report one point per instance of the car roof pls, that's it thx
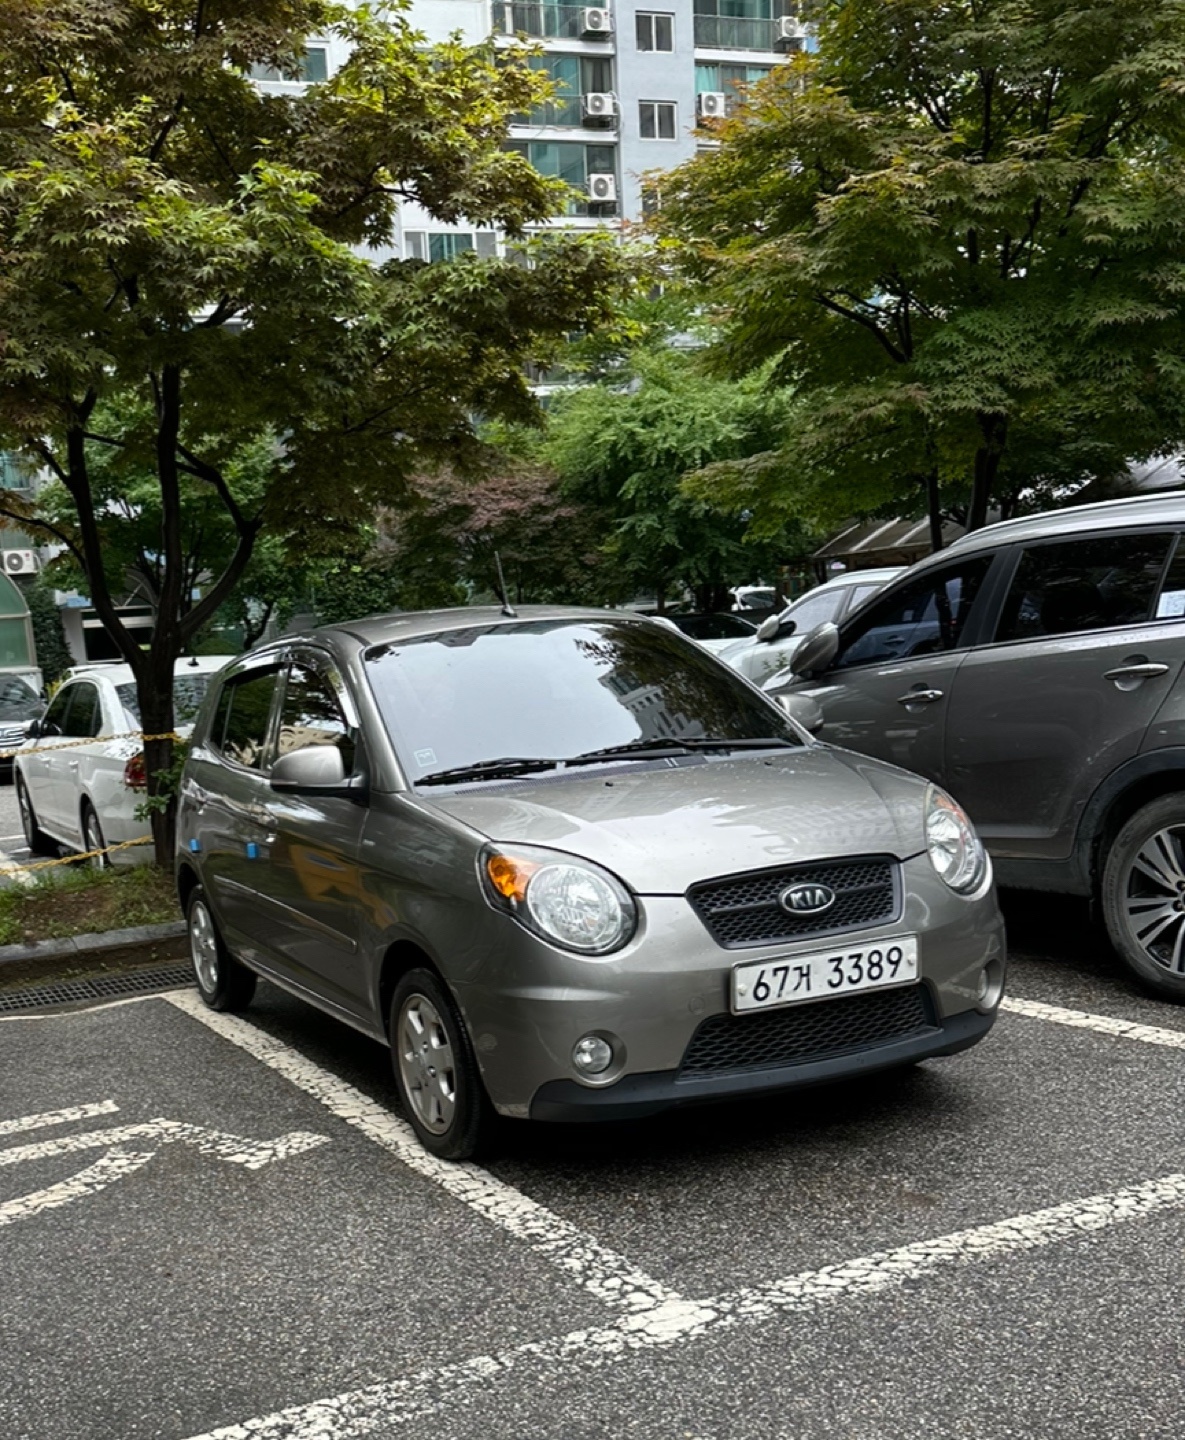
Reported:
(1102, 515)
(883, 573)
(115, 672)
(405, 625)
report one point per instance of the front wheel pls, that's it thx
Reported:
(222, 982)
(36, 839)
(1143, 896)
(439, 1086)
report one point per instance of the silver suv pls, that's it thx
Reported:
(1034, 669)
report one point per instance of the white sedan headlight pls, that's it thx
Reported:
(564, 899)
(956, 851)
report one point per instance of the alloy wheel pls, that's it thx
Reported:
(426, 1064)
(1154, 898)
(203, 947)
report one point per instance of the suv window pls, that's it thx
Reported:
(240, 721)
(85, 715)
(812, 610)
(923, 617)
(1083, 585)
(312, 715)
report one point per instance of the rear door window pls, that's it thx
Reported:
(240, 728)
(924, 617)
(85, 716)
(1090, 584)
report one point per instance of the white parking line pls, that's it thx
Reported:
(251, 1154)
(13, 870)
(1101, 1024)
(363, 1412)
(609, 1276)
(117, 1164)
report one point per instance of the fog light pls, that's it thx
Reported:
(990, 989)
(592, 1055)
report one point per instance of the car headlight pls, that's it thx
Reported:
(566, 900)
(956, 851)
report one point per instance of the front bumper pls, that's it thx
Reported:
(526, 1004)
(636, 1096)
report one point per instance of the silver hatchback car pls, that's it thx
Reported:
(571, 867)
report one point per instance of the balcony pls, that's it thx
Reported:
(540, 20)
(720, 32)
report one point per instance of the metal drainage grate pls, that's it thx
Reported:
(725, 1043)
(96, 987)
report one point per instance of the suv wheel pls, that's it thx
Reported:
(222, 982)
(439, 1086)
(1143, 896)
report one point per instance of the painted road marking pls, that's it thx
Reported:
(119, 1162)
(57, 1117)
(1100, 1024)
(609, 1276)
(363, 1412)
(13, 870)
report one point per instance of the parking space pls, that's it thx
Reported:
(219, 1226)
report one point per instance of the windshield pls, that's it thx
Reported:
(18, 699)
(188, 693)
(557, 689)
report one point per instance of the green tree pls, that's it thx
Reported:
(624, 447)
(53, 654)
(956, 231)
(177, 241)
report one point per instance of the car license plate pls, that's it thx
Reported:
(840, 970)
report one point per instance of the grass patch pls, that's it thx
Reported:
(83, 902)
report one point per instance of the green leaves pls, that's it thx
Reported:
(946, 228)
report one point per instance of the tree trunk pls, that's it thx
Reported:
(994, 429)
(933, 511)
(155, 692)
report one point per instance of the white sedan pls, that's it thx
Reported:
(80, 776)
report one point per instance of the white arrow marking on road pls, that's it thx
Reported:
(57, 1117)
(233, 1148)
(115, 1165)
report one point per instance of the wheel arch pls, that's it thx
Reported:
(400, 957)
(1146, 778)
(187, 882)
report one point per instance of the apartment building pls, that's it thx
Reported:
(633, 80)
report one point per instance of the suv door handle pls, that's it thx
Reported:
(921, 696)
(1142, 671)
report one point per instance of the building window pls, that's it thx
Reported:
(655, 31)
(313, 67)
(448, 244)
(729, 80)
(572, 76)
(572, 163)
(656, 119)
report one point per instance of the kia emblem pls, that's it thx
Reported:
(807, 899)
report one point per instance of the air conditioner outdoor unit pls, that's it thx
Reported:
(602, 189)
(790, 33)
(598, 105)
(711, 104)
(20, 562)
(596, 22)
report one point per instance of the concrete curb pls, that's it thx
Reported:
(137, 945)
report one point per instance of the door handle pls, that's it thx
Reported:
(1144, 670)
(920, 696)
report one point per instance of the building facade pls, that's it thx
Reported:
(634, 79)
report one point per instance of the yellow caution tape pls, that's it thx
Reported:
(90, 740)
(74, 856)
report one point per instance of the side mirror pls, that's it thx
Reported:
(316, 768)
(803, 709)
(32, 729)
(768, 628)
(817, 650)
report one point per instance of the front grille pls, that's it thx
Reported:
(731, 1043)
(742, 910)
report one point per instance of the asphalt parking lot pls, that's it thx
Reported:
(220, 1227)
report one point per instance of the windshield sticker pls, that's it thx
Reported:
(425, 757)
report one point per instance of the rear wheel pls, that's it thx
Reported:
(92, 838)
(439, 1085)
(36, 839)
(1143, 896)
(222, 982)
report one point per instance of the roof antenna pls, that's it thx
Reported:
(507, 607)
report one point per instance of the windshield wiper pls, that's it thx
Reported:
(508, 766)
(657, 749)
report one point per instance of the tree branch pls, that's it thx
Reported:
(868, 324)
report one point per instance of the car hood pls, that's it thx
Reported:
(660, 830)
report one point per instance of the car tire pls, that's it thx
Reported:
(440, 1088)
(36, 839)
(222, 982)
(1143, 896)
(92, 838)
